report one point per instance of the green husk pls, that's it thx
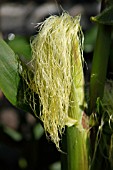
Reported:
(57, 71)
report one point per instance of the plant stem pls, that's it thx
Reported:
(76, 149)
(99, 65)
(99, 148)
(76, 138)
(97, 82)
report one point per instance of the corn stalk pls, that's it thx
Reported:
(100, 136)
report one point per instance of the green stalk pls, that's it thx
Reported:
(76, 135)
(76, 140)
(99, 65)
(97, 83)
(76, 149)
(100, 140)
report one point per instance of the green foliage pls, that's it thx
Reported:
(9, 75)
(11, 82)
(105, 17)
(21, 46)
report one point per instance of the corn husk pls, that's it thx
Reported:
(57, 58)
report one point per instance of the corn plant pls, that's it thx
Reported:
(50, 85)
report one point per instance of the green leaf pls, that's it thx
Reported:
(105, 17)
(9, 76)
(11, 83)
(21, 46)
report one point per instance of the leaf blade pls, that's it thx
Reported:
(105, 17)
(9, 75)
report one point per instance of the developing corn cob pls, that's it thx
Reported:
(57, 73)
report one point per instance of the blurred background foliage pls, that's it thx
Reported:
(23, 144)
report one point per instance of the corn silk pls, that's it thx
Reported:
(57, 67)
